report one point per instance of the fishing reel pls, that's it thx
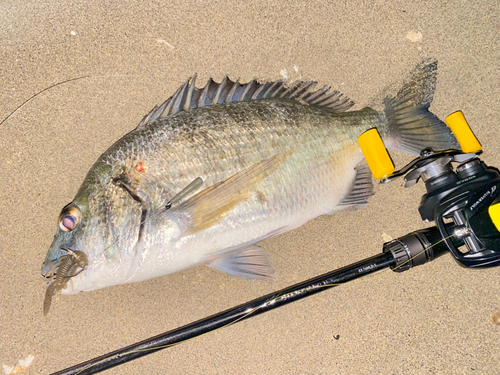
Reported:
(463, 201)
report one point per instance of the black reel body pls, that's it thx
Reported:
(459, 202)
(468, 208)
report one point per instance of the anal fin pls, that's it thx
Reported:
(251, 263)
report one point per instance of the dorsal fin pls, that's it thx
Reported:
(189, 97)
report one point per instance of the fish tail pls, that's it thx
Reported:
(411, 126)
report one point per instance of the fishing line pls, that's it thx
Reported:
(263, 305)
(67, 81)
(39, 92)
(62, 83)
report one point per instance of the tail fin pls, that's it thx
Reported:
(412, 127)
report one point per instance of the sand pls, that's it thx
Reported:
(434, 319)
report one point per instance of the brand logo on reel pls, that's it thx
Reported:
(489, 192)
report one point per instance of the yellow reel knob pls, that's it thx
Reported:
(376, 155)
(494, 211)
(467, 140)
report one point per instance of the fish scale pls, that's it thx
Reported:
(271, 157)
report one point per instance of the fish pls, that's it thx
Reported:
(213, 171)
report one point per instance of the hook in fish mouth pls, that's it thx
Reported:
(61, 271)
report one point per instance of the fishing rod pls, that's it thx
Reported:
(464, 203)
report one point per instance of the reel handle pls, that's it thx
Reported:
(462, 131)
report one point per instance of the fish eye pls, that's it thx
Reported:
(69, 218)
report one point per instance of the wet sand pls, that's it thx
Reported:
(433, 319)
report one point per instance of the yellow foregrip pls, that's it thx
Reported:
(376, 155)
(494, 211)
(458, 125)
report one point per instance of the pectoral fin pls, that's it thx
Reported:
(251, 263)
(361, 190)
(212, 204)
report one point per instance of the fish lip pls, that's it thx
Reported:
(49, 268)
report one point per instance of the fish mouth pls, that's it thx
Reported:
(59, 272)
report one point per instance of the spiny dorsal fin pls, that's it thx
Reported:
(188, 96)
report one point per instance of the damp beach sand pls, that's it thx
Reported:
(434, 319)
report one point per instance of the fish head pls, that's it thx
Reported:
(102, 222)
(66, 240)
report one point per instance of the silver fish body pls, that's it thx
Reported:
(268, 165)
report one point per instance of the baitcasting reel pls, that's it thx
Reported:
(463, 202)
